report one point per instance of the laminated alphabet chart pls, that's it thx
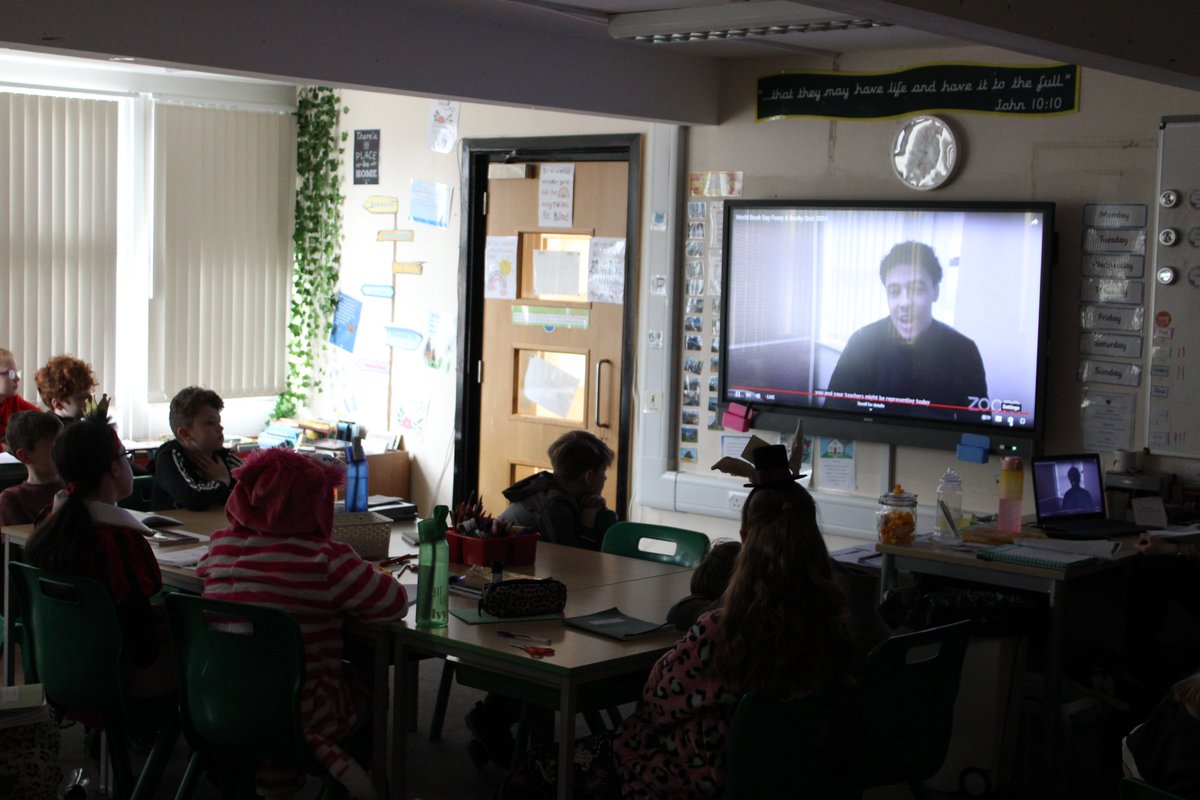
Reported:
(1172, 425)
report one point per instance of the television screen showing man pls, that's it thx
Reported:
(908, 357)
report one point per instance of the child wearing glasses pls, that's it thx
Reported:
(88, 534)
(10, 381)
(65, 384)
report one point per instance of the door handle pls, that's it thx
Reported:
(599, 367)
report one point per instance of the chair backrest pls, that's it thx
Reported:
(907, 691)
(139, 498)
(74, 638)
(1133, 789)
(241, 670)
(682, 548)
(775, 749)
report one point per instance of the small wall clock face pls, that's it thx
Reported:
(925, 153)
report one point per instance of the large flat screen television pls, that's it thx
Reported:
(906, 322)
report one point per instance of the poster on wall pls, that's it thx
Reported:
(440, 334)
(366, 157)
(606, 270)
(499, 268)
(556, 195)
(986, 88)
(429, 203)
(345, 322)
(443, 125)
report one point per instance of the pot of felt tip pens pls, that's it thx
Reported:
(478, 538)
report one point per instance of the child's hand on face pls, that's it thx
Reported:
(589, 507)
(209, 465)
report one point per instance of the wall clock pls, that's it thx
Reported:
(925, 153)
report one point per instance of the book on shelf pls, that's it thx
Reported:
(616, 624)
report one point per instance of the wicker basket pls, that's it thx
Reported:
(367, 532)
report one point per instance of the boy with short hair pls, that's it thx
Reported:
(193, 470)
(31, 437)
(10, 381)
(65, 383)
(565, 506)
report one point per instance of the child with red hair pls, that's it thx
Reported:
(278, 552)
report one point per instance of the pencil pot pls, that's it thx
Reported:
(522, 548)
(481, 550)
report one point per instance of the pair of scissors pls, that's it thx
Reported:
(534, 651)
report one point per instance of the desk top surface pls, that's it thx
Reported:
(595, 582)
(964, 555)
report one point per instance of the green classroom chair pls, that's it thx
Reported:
(139, 498)
(241, 670)
(74, 642)
(906, 711)
(1133, 789)
(774, 749)
(684, 548)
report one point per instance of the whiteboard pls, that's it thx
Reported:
(1173, 360)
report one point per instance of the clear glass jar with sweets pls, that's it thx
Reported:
(896, 519)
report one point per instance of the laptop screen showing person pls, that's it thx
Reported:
(1068, 487)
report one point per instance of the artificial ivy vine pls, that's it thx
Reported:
(317, 241)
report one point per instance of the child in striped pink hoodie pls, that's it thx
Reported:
(278, 553)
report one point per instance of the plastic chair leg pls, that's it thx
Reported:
(156, 762)
(188, 784)
(443, 697)
(118, 757)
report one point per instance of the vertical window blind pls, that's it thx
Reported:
(224, 183)
(58, 231)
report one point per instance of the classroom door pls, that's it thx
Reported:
(553, 316)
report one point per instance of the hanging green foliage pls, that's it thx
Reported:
(317, 241)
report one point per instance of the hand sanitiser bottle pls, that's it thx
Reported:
(433, 571)
(949, 496)
(1012, 488)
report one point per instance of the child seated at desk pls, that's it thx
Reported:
(278, 552)
(674, 744)
(31, 437)
(1163, 750)
(88, 534)
(194, 470)
(65, 384)
(565, 507)
(10, 381)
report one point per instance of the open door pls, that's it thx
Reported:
(546, 343)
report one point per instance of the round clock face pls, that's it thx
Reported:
(925, 153)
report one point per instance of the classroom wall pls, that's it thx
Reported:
(421, 403)
(1106, 153)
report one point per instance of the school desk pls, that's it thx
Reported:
(960, 563)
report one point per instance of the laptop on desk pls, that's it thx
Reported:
(1068, 494)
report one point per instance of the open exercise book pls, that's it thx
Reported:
(1051, 553)
(616, 625)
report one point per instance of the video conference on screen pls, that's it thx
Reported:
(821, 315)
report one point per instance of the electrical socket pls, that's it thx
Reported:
(737, 500)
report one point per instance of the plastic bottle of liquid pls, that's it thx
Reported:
(433, 571)
(1012, 487)
(949, 493)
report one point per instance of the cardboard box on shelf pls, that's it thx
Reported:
(389, 473)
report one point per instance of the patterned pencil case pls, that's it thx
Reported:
(523, 598)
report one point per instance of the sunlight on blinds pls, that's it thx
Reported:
(224, 185)
(58, 238)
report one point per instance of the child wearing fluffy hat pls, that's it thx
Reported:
(278, 552)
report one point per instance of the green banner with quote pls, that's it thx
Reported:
(982, 88)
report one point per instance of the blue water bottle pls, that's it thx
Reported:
(356, 477)
(433, 571)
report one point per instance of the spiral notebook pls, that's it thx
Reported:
(1050, 555)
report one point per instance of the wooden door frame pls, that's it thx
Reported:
(477, 154)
